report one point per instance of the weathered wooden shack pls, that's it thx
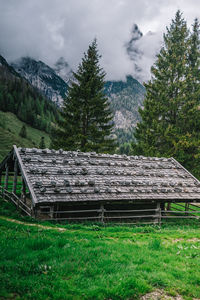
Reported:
(72, 185)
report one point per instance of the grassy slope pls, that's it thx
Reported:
(10, 127)
(96, 262)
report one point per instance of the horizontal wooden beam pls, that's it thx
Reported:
(180, 217)
(181, 211)
(25, 177)
(131, 217)
(99, 210)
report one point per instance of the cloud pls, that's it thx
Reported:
(146, 49)
(49, 29)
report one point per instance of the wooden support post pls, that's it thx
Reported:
(158, 213)
(169, 206)
(57, 209)
(102, 213)
(0, 177)
(34, 212)
(38, 212)
(186, 208)
(15, 177)
(1, 189)
(6, 177)
(23, 191)
(51, 211)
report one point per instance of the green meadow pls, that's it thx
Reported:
(10, 127)
(92, 261)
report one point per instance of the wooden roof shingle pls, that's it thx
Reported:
(56, 176)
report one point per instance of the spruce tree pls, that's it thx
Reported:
(86, 117)
(23, 132)
(170, 123)
(42, 143)
(189, 143)
(190, 109)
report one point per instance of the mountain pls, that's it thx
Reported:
(43, 77)
(63, 69)
(125, 98)
(6, 70)
(18, 96)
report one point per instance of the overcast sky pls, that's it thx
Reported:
(49, 29)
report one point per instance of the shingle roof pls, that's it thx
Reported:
(77, 176)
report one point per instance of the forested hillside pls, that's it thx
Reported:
(19, 97)
(43, 77)
(125, 96)
(10, 128)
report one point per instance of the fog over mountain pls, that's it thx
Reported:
(47, 30)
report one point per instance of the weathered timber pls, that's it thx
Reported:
(158, 213)
(51, 212)
(182, 211)
(131, 217)
(180, 217)
(76, 211)
(81, 186)
(105, 211)
(192, 205)
(6, 176)
(13, 198)
(23, 171)
(23, 190)
(180, 166)
(186, 207)
(15, 176)
(76, 218)
(129, 211)
(102, 213)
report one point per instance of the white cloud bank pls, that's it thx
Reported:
(49, 29)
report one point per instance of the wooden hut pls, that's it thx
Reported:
(72, 185)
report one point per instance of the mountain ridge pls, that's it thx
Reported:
(18, 96)
(43, 77)
(125, 97)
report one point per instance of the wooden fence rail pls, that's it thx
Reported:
(101, 214)
(181, 211)
(10, 196)
(104, 215)
(99, 210)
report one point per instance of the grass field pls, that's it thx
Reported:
(90, 261)
(10, 127)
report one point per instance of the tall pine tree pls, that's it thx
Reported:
(86, 117)
(23, 132)
(170, 123)
(188, 146)
(42, 143)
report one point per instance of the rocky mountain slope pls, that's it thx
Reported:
(125, 96)
(18, 96)
(6, 70)
(42, 77)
